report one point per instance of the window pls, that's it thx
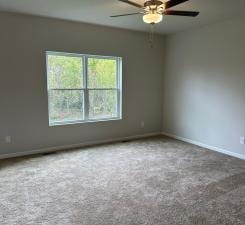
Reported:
(83, 88)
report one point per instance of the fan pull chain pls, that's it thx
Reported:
(151, 35)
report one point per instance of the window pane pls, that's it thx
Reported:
(102, 73)
(65, 105)
(102, 104)
(65, 72)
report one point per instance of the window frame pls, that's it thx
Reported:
(86, 89)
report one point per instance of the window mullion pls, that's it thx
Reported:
(119, 89)
(86, 97)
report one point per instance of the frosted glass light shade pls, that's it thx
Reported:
(152, 18)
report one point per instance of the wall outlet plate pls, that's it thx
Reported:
(8, 139)
(242, 140)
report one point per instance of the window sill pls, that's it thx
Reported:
(66, 123)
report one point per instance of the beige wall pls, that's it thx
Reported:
(23, 95)
(204, 85)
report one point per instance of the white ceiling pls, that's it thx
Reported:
(98, 12)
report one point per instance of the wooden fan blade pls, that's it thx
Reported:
(132, 3)
(129, 14)
(180, 13)
(173, 3)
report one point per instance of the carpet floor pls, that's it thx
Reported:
(155, 181)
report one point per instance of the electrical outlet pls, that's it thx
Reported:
(142, 124)
(242, 140)
(8, 139)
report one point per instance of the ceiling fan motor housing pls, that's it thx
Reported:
(152, 3)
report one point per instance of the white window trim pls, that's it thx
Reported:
(86, 89)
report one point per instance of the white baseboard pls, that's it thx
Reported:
(220, 150)
(113, 140)
(79, 145)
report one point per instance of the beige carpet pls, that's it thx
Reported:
(156, 181)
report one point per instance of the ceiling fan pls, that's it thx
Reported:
(153, 10)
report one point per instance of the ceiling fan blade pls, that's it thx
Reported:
(172, 3)
(180, 13)
(129, 14)
(132, 3)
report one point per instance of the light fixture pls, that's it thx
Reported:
(152, 18)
